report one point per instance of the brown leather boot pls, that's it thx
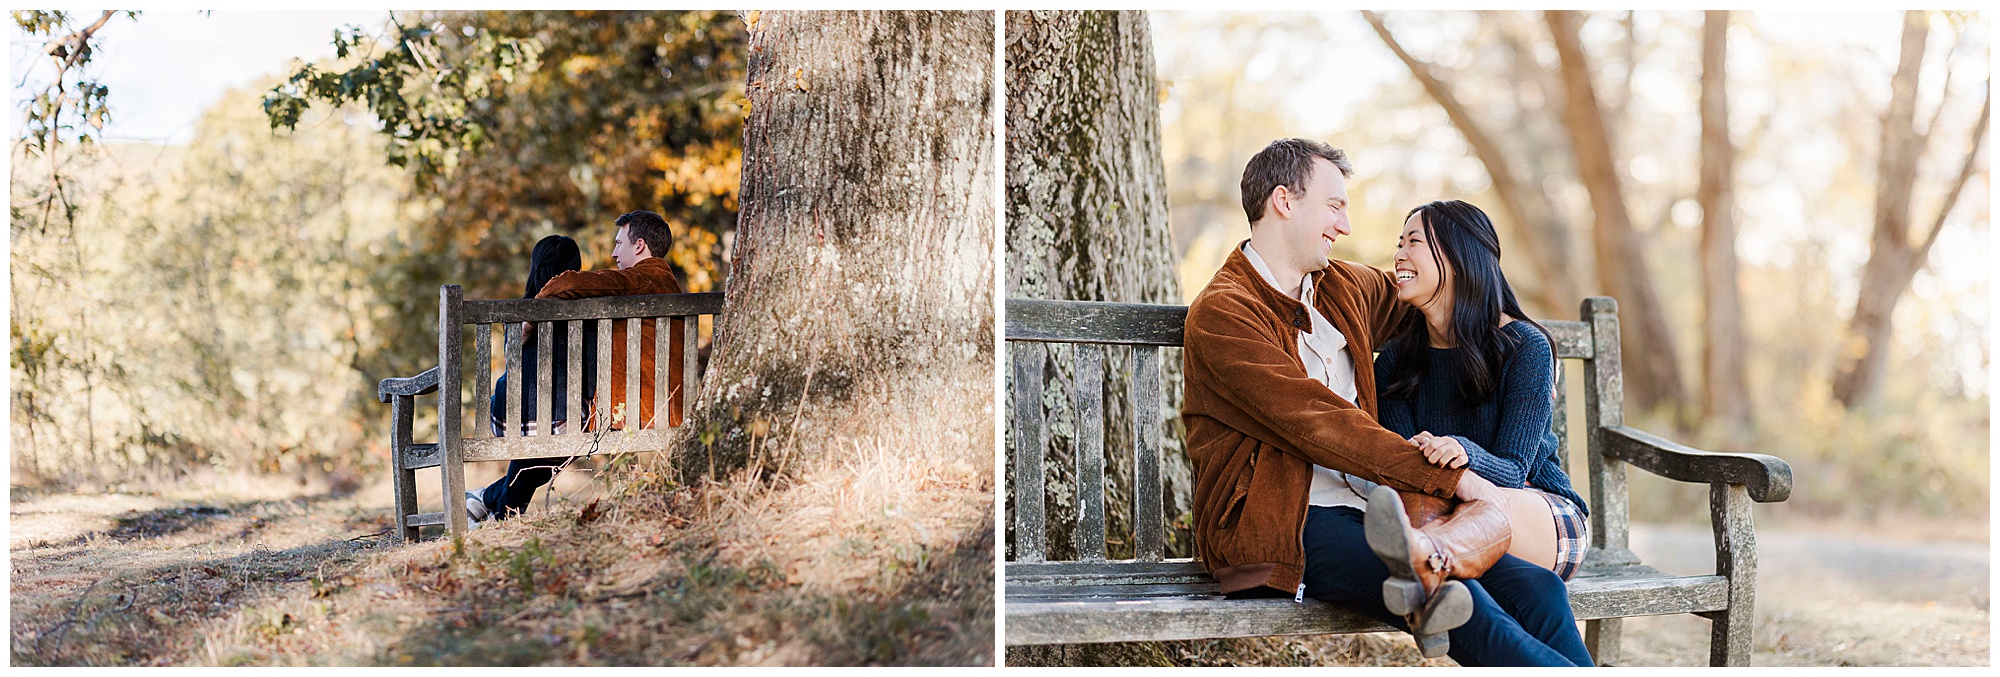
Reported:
(1423, 508)
(1425, 541)
(1461, 543)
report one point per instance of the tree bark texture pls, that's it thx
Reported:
(1087, 220)
(862, 270)
(1652, 371)
(1893, 259)
(1526, 209)
(1725, 393)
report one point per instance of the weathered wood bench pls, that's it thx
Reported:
(1151, 598)
(454, 449)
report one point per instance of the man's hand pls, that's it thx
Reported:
(1472, 487)
(1443, 452)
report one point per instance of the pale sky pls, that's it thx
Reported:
(168, 66)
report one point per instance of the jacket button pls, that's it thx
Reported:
(1299, 323)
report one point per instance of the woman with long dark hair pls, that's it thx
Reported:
(553, 255)
(1471, 379)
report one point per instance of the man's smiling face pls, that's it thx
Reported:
(1317, 216)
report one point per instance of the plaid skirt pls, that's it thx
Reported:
(1572, 534)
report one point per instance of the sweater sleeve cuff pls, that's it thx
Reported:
(1500, 471)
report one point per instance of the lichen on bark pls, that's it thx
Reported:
(862, 269)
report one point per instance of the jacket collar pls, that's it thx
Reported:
(1241, 272)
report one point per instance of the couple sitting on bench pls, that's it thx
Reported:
(555, 272)
(1425, 491)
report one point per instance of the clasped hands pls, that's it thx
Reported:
(1446, 452)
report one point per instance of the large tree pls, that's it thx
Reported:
(861, 281)
(1087, 221)
(1894, 257)
(1652, 368)
(1725, 395)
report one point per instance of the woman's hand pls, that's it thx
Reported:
(1443, 452)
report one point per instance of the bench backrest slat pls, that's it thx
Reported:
(603, 373)
(544, 381)
(632, 401)
(512, 423)
(1032, 324)
(573, 399)
(663, 364)
(690, 368)
(1148, 522)
(1089, 534)
(1113, 323)
(1030, 528)
(612, 307)
(482, 379)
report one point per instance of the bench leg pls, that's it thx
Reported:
(1736, 558)
(405, 480)
(453, 471)
(1601, 638)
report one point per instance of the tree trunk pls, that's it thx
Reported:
(860, 300)
(1652, 371)
(1725, 394)
(1526, 209)
(1893, 259)
(1087, 220)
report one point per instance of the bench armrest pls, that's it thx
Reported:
(1768, 478)
(421, 384)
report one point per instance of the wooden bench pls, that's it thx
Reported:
(454, 448)
(1151, 598)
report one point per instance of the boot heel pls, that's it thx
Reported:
(1446, 610)
(1402, 596)
(1435, 645)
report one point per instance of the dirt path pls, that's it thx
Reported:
(1832, 598)
(81, 564)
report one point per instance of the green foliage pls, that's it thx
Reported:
(602, 113)
(428, 87)
(619, 111)
(60, 116)
(71, 101)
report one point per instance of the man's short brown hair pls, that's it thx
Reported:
(1288, 163)
(649, 228)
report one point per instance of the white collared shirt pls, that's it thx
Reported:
(1323, 352)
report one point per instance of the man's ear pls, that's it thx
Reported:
(1280, 203)
(640, 249)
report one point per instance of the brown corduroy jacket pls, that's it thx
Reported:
(1256, 423)
(648, 276)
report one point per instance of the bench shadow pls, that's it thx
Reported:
(152, 616)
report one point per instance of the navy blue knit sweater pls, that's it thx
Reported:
(1506, 438)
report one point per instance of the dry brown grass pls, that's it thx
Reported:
(876, 552)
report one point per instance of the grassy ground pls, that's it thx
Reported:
(882, 557)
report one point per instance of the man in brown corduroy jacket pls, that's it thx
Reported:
(1281, 428)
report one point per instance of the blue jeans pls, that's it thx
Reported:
(513, 493)
(1520, 613)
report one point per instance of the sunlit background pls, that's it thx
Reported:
(1807, 91)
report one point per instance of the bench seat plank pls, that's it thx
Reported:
(1157, 612)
